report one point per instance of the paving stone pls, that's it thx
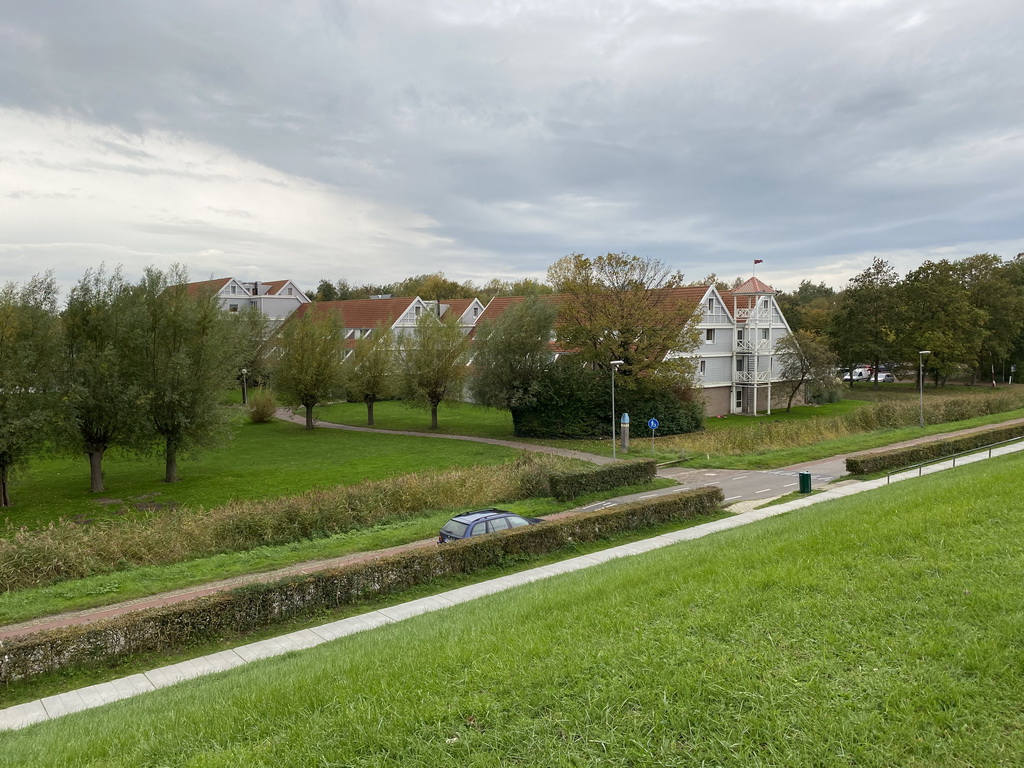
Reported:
(416, 607)
(23, 714)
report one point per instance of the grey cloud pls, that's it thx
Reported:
(712, 131)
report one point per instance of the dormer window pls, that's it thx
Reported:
(711, 305)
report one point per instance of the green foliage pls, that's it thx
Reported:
(370, 372)
(806, 361)
(575, 402)
(187, 358)
(621, 307)
(103, 378)
(433, 363)
(917, 454)
(572, 485)
(511, 354)
(865, 326)
(262, 406)
(68, 550)
(261, 605)
(809, 308)
(29, 363)
(308, 364)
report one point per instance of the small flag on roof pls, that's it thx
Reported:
(759, 261)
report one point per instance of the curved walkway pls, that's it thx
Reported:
(286, 414)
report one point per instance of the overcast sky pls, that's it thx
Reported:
(373, 140)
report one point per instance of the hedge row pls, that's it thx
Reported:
(570, 485)
(175, 627)
(917, 454)
(68, 550)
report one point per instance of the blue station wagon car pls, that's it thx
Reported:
(482, 521)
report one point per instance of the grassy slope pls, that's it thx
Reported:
(262, 460)
(875, 631)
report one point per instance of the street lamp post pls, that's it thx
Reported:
(615, 365)
(245, 389)
(920, 376)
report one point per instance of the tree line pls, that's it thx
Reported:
(968, 314)
(139, 366)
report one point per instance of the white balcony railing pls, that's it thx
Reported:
(750, 377)
(756, 314)
(750, 347)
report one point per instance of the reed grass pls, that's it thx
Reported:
(67, 550)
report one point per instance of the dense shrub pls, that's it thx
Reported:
(916, 454)
(67, 550)
(574, 402)
(262, 605)
(570, 485)
(262, 406)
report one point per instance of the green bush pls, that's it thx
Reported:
(262, 406)
(66, 550)
(574, 402)
(262, 605)
(570, 485)
(883, 461)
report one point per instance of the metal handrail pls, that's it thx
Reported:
(953, 456)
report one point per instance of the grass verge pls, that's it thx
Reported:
(875, 631)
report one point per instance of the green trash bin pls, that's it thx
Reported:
(805, 482)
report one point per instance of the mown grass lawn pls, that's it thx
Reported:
(260, 461)
(879, 630)
(460, 419)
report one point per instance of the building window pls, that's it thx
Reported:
(418, 311)
(703, 367)
(739, 334)
(739, 399)
(711, 305)
(709, 336)
(476, 311)
(232, 307)
(739, 365)
(289, 291)
(234, 289)
(764, 334)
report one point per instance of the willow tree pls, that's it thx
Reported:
(189, 356)
(370, 372)
(434, 364)
(102, 386)
(29, 365)
(307, 359)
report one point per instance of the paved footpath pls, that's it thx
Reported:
(97, 695)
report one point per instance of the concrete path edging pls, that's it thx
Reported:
(52, 707)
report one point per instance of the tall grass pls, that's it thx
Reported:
(765, 435)
(67, 550)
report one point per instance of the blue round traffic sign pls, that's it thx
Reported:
(653, 423)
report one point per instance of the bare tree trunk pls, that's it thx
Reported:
(369, 413)
(5, 499)
(171, 465)
(309, 416)
(433, 415)
(96, 471)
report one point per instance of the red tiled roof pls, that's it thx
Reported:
(206, 285)
(457, 307)
(753, 285)
(362, 313)
(274, 286)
